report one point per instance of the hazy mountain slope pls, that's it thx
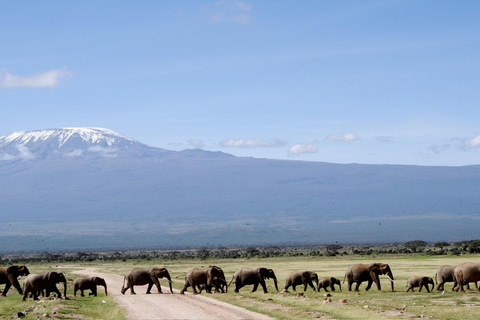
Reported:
(196, 197)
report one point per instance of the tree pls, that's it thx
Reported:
(441, 245)
(474, 246)
(415, 245)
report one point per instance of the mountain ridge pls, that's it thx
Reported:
(137, 196)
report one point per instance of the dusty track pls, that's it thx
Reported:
(167, 305)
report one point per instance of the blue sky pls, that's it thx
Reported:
(381, 82)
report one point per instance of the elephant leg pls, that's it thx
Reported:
(150, 285)
(132, 291)
(264, 286)
(157, 284)
(294, 287)
(7, 287)
(325, 288)
(196, 292)
(255, 286)
(81, 293)
(357, 285)
(238, 285)
(305, 286)
(369, 285)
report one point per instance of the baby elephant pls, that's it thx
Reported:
(90, 283)
(419, 282)
(329, 283)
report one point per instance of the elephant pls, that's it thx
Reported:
(209, 277)
(367, 272)
(90, 283)
(143, 276)
(329, 282)
(465, 273)
(414, 282)
(444, 274)
(248, 276)
(9, 275)
(296, 278)
(36, 282)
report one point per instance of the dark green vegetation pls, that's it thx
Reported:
(331, 250)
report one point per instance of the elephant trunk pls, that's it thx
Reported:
(65, 290)
(340, 285)
(390, 276)
(106, 289)
(275, 282)
(169, 283)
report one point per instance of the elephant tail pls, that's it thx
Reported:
(436, 279)
(233, 278)
(344, 277)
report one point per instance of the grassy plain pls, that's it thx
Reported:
(373, 304)
(100, 307)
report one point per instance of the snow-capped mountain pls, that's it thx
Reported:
(84, 187)
(69, 142)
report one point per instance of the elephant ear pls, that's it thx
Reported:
(307, 274)
(263, 272)
(95, 280)
(51, 276)
(13, 270)
(374, 268)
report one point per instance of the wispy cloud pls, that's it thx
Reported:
(23, 154)
(343, 137)
(48, 79)
(471, 143)
(299, 149)
(104, 151)
(196, 143)
(252, 143)
(439, 148)
(234, 11)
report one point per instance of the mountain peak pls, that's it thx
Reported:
(88, 134)
(69, 142)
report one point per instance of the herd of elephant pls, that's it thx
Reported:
(213, 277)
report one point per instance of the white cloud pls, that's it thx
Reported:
(232, 11)
(106, 152)
(473, 142)
(74, 153)
(252, 143)
(197, 143)
(299, 149)
(23, 154)
(48, 79)
(343, 137)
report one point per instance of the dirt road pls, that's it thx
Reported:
(167, 305)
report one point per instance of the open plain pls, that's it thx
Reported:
(372, 304)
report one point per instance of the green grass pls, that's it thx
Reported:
(100, 307)
(373, 304)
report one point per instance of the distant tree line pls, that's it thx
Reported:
(410, 247)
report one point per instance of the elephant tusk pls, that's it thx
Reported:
(390, 278)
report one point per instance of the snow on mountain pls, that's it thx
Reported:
(68, 142)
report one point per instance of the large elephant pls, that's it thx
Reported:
(143, 276)
(37, 282)
(465, 273)
(89, 283)
(367, 272)
(414, 282)
(209, 277)
(9, 275)
(444, 274)
(297, 278)
(329, 283)
(248, 276)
